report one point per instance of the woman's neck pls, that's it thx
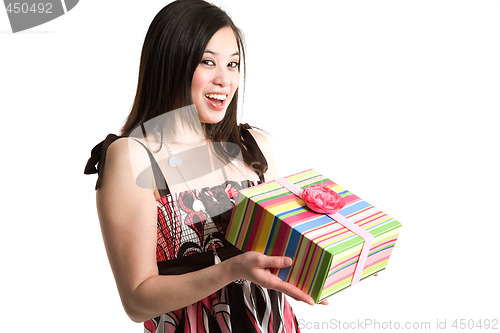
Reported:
(184, 129)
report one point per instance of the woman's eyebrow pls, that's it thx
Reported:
(215, 53)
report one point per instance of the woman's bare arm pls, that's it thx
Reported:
(128, 218)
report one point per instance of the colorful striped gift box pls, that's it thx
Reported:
(272, 220)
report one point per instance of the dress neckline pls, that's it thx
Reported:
(245, 183)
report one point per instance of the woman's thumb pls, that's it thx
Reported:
(278, 262)
(286, 261)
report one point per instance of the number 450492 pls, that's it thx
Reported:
(25, 8)
(485, 324)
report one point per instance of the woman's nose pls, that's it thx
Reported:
(222, 77)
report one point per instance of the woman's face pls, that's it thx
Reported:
(216, 78)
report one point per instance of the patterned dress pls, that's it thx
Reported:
(186, 240)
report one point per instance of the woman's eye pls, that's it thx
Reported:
(233, 64)
(208, 62)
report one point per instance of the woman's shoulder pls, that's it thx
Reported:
(262, 140)
(260, 137)
(124, 148)
(119, 154)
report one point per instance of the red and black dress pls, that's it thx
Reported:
(185, 243)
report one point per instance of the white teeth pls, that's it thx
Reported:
(216, 96)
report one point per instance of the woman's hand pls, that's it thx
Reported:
(257, 267)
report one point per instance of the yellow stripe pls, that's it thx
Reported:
(295, 273)
(267, 224)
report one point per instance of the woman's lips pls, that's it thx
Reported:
(214, 103)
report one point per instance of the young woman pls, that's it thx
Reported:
(167, 185)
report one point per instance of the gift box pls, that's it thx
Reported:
(330, 252)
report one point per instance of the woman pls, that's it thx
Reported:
(166, 188)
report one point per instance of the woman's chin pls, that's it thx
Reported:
(212, 117)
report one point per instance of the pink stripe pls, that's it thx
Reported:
(293, 267)
(339, 228)
(281, 240)
(265, 195)
(278, 201)
(251, 317)
(374, 249)
(324, 181)
(298, 173)
(372, 260)
(310, 272)
(334, 233)
(347, 272)
(387, 253)
(351, 259)
(360, 211)
(339, 276)
(257, 222)
(300, 217)
(390, 241)
(350, 199)
(303, 264)
(331, 235)
(359, 222)
(150, 326)
(244, 225)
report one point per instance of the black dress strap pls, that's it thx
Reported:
(260, 162)
(95, 163)
(160, 181)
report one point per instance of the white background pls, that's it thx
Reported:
(394, 100)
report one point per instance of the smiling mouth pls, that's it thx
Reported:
(216, 99)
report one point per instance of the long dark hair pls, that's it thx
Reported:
(173, 48)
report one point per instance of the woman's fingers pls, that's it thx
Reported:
(259, 269)
(276, 262)
(290, 290)
(264, 261)
(277, 284)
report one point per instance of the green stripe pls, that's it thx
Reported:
(348, 244)
(303, 176)
(273, 186)
(356, 260)
(347, 282)
(385, 227)
(276, 225)
(320, 278)
(261, 189)
(311, 246)
(250, 226)
(270, 197)
(239, 214)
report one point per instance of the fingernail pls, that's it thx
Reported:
(287, 261)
